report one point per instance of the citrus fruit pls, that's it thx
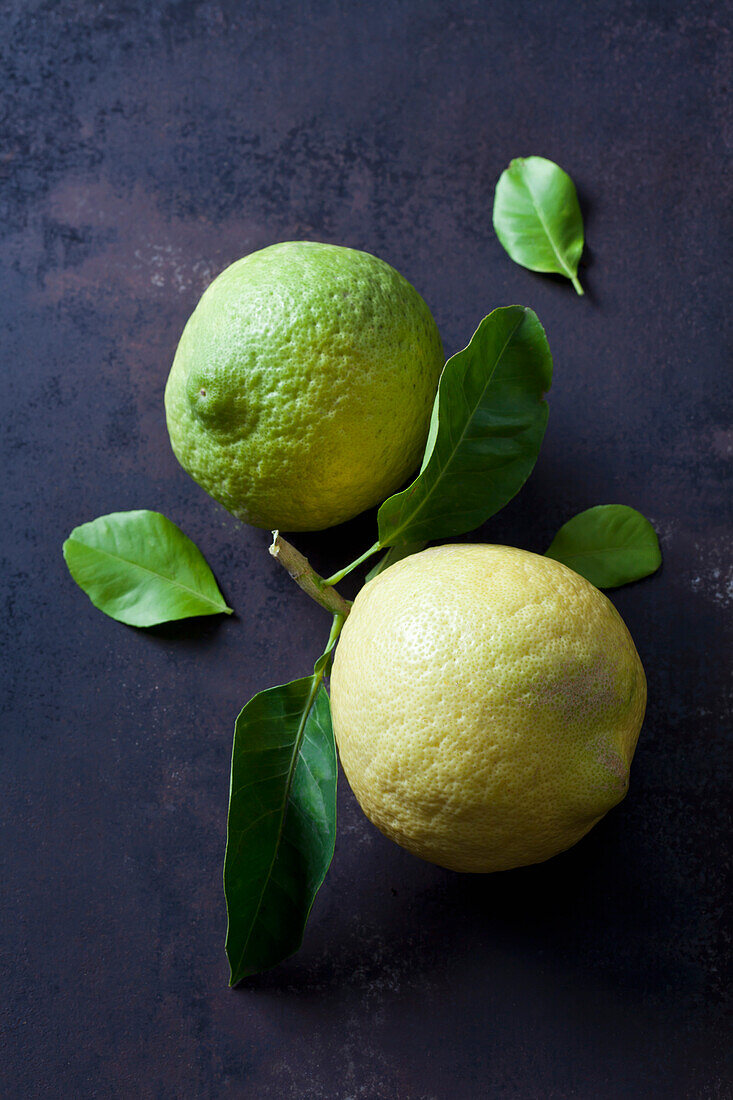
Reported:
(486, 704)
(302, 387)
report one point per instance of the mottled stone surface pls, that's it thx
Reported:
(143, 147)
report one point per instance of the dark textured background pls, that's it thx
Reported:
(144, 146)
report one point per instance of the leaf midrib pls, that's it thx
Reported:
(570, 274)
(151, 572)
(444, 465)
(605, 551)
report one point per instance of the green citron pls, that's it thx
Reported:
(302, 387)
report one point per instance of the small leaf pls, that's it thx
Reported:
(393, 555)
(609, 545)
(537, 217)
(139, 568)
(491, 418)
(281, 826)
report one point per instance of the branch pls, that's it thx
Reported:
(306, 577)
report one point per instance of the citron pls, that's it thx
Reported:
(486, 704)
(302, 387)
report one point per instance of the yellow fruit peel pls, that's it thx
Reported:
(486, 705)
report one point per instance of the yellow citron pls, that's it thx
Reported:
(302, 387)
(486, 704)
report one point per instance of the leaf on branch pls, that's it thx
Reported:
(281, 826)
(486, 432)
(609, 545)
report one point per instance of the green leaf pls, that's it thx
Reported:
(393, 555)
(491, 418)
(609, 545)
(139, 568)
(281, 826)
(537, 217)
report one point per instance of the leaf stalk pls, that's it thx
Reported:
(336, 577)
